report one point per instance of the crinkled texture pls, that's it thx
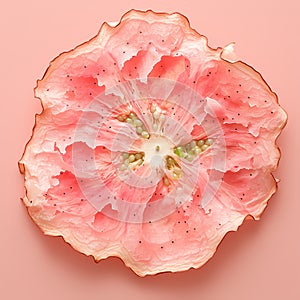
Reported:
(150, 58)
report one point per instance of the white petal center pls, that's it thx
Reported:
(156, 148)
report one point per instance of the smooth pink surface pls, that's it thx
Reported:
(260, 261)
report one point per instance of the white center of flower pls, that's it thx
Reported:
(156, 148)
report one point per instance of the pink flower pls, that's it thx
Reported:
(151, 146)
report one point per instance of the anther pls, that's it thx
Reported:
(192, 149)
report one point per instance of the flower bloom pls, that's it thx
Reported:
(151, 146)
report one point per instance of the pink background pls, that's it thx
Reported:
(260, 261)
